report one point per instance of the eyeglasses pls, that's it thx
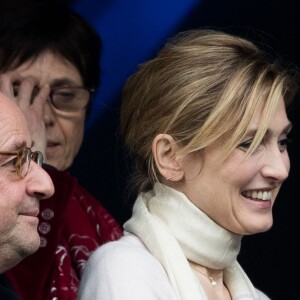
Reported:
(70, 99)
(63, 98)
(23, 159)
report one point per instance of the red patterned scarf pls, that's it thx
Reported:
(72, 225)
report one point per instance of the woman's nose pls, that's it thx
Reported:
(277, 165)
(49, 118)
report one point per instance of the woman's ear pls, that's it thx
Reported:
(165, 154)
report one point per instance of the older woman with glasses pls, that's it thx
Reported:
(49, 60)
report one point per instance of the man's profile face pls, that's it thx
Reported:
(19, 197)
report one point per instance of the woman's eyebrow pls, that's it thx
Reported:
(252, 132)
(63, 81)
(288, 128)
(285, 129)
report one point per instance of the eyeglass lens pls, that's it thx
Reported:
(24, 161)
(70, 99)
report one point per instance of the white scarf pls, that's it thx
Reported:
(174, 230)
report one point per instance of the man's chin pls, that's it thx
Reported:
(30, 247)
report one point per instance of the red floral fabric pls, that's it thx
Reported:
(72, 225)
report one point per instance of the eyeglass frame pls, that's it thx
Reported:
(36, 156)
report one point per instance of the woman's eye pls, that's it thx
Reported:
(283, 144)
(16, 87)
(245, 145)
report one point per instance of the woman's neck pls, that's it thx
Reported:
(211, 281)
(201, 239)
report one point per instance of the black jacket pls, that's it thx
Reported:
(6, 290)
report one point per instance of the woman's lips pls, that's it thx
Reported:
(52, 148)
(52, 144)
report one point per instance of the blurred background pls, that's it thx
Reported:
(132, 32)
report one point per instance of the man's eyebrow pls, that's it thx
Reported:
(17, 146)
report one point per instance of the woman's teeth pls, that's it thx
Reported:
(259, 195)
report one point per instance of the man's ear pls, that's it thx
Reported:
(165, 154)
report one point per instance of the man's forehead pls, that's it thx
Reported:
(12, 140)
(6, 104)
(13, 130)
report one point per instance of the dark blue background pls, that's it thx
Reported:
(132, 31)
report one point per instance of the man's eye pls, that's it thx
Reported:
(11, 164)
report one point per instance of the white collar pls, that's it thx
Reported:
(201, 239)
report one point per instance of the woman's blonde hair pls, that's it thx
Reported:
(202, 86)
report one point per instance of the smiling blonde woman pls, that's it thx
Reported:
(206, 122)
